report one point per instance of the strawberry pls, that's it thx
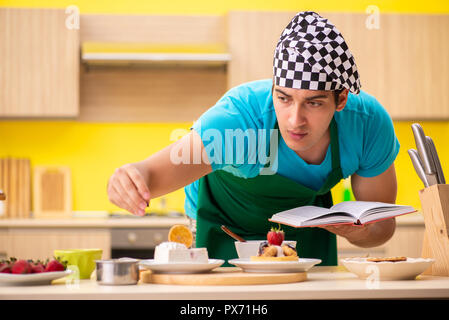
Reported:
(275, 236)
(37, 267)
(21, 267)
(55, 265)
(5, 267)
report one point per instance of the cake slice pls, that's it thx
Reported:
(171, 251)
(199, 255)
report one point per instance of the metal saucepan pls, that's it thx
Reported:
(121, 271)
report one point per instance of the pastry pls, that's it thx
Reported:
(269, 252)
(388, 259)
(274, 249)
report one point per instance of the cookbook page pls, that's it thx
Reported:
(358, 208)
(297, 216)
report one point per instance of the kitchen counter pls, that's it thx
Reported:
(131, 222)
(322, 283)
(138, 222)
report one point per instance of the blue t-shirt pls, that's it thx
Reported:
(368, 144)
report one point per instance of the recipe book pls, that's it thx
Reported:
(347, 212)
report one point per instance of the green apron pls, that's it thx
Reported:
(245, 205)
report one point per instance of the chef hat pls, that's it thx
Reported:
(312, 54)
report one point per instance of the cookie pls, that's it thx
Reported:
(388, 259)
(261, 258)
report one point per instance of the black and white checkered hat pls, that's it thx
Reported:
(312, 54)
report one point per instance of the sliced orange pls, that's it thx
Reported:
(182, 234)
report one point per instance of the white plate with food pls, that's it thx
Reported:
(42, 278)
(180, 267)
(390, 268)
(300, 265)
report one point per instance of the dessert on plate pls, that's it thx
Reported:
(274, 249)
(177, 248)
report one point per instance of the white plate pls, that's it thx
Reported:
(400, 270)
(180, 267)
(42, 278)
(301, 265)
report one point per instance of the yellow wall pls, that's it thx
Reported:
(220, 7)
(94, 150)
(91, 150)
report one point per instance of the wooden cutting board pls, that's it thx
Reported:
(52, 192)
(222, 276)
(15, 181)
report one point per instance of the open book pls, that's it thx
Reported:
(347, 212)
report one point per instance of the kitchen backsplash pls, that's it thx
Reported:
(94, 150)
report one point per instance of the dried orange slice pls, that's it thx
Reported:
(182, 234)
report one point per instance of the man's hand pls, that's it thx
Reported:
(366, 236)
(127, 189)
(382, 188)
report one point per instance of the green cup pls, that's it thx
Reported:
(83, 259)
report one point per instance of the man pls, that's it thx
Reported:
(329, 130)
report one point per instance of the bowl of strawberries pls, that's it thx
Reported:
(31, 272)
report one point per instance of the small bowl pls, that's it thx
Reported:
(251, 247)
(83, 259)
(123, 271)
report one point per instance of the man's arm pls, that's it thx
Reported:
(382, 188)
(133, 185)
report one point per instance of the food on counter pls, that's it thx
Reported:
(199, 255)
(171, 252)
(387, 259)
(177, 252)
(274, 250)
(54, 265)
(275, 236)
(22, 266)
(181, 234)
(177, 249)
(269, 252)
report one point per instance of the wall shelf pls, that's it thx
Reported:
(111, 58)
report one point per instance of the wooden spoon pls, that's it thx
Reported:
(232, 234)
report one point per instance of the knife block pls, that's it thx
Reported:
(435, 208)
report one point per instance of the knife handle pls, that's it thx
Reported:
(423, 151)
(418, 166)
(436, 160)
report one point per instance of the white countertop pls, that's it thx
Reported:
(322, 283)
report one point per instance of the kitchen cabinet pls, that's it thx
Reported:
(39, 243)
(131, 81)
(44, 71)
(39, 64)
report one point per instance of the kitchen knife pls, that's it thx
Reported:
(424, 154)
(436, 161)
(418, 166)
